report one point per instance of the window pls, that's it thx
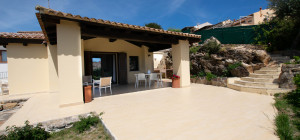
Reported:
(133, 63)
(249, 21)
(3, 56)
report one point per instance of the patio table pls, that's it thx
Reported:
(147, 75)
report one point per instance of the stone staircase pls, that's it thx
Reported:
(280, 59)
(263, 81)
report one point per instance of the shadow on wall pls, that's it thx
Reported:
(32, 51)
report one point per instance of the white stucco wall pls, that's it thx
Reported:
(181, 62)
(157, 57)
(27, 68)
(69, 63)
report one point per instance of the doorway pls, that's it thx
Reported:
(104, 65)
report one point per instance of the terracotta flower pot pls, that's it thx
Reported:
(176, 83)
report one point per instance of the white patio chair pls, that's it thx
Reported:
(160, 80)
(163, 71)
(153, 77)
(105, 82)
(140, 77)
(96, 83)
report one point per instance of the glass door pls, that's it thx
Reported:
(104, 65)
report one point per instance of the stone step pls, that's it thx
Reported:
(252, 79)
(271, 68)
(272, 76)
(259, 90)
(267, 72)
(257, 84)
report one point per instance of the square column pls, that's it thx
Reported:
(69, 58)
(181, 62)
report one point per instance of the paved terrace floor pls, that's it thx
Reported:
(197, 112)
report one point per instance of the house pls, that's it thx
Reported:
(196, 27)
(222, 24)
(256, 18)
(56, 59)
(3, 63)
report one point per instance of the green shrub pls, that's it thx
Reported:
(227, 73)
(85, 123)
(193, 76)
(233, 66)
(201, 74)
(210, 76)
(194, 49)
(297, 80)
(212, 47)
(27, 132)
(284, 129)
(297, 59)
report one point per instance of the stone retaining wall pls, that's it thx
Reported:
(219, 81)
(286, 77)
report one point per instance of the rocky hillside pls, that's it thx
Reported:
(225, 60)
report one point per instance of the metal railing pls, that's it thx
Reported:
(3, 75)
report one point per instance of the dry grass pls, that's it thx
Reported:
(95, 132)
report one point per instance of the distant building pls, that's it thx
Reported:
(223, 24)
(196, 27)
(254, 19)
(3, 59)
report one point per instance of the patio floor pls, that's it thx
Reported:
(196, 112)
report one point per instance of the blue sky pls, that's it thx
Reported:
(19, 15)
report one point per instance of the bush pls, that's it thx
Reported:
(284, 129)
(233, 66)
(297, 59)
(201, 74)
(28, 132)
(297, 80)
(210, 76)
(212, 47)
(227, 73)
(194, 49)
(85, 123)
(193, 76)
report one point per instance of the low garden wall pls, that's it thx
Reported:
(219, 81)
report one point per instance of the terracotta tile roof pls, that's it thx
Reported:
(47, 11)
(23, 35)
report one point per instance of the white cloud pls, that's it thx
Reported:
(174, 5)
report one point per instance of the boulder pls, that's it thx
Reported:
(286, 77)
(248, 67)
(211, 39)
(252, 58)
(262, 56)
(239, 72)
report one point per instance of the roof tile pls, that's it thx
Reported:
(48, 11)
(23, 35)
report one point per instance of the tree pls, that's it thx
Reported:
(153, 25)
(283, 31)
(286, 8)
(288, 12)
(174, 29)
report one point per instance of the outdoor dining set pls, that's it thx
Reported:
(148, 78)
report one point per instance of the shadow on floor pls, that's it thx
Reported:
(128, 88)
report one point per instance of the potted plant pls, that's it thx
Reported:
(175, 81)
